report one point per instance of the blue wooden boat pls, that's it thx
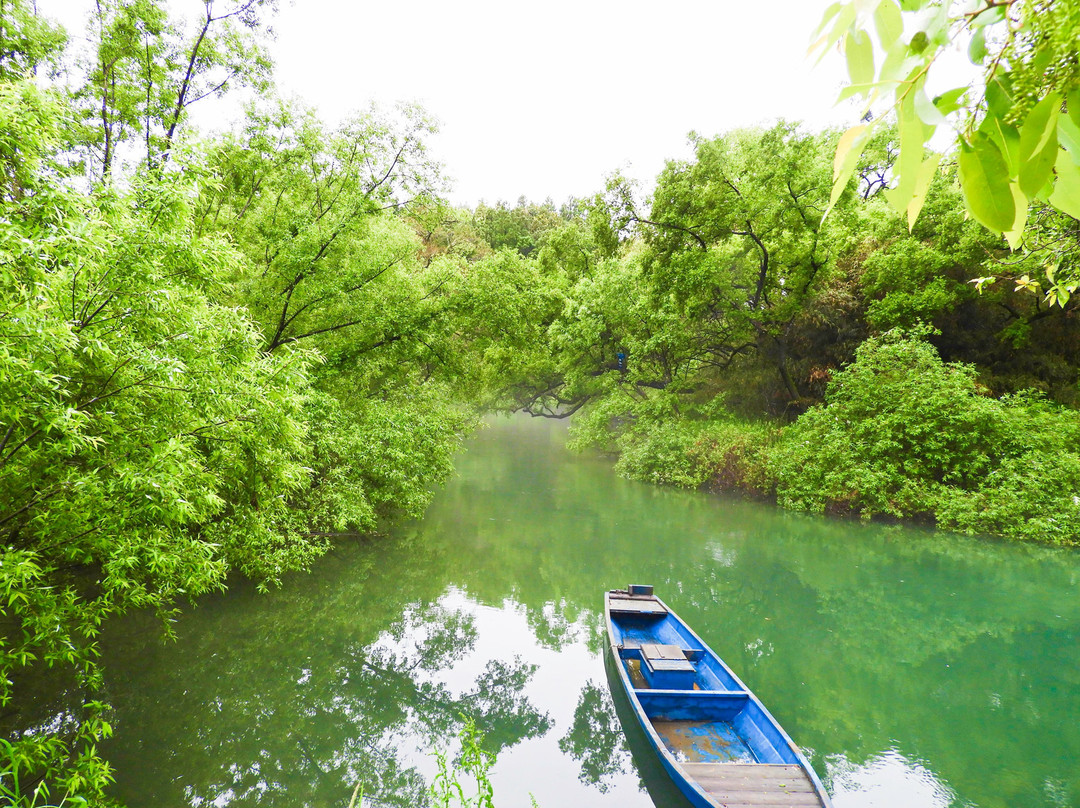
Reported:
(716, 740)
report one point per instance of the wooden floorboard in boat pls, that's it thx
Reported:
(754, 785)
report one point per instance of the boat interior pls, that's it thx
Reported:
(699, 709)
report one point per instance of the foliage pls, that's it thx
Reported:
(904, 434)
(374, 460)
(475, 763)
(148, 445)
(28, 41)
(898, 424)
(1018, 128)
(715, 282)
(333, 268)
(721, 454)
(192, 380)
(1031, 493)
(146, 70)
(520, 228)
(922, 276)
(309, 207)
(737, 241)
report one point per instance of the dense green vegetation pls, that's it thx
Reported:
(217, 353)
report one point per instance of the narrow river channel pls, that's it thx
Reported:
(916, 670)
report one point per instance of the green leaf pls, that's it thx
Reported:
(847, 157)
(977, 47)
(845, 19)
(1015, 234)
(1069, 137)
(949, 101)
(984, 180)
(888, 22)
(1006, 138)
(928, 113)
(860, 57)
(1038, 144)
(990, 16)
(937, 25)
(830, 12)
(919, 42)
(898, 63)
(922, 185)
(999, 96)
(853, 90)
(1066, 196)
(1072, 102)
(912, 142)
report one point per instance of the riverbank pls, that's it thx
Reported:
(902, 436)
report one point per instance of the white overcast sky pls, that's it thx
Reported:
(545, 99)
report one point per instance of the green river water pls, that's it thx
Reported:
(916, 670)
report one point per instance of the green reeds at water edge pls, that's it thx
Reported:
(449, 786)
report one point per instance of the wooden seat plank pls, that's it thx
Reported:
(756, 771)
(637, 605)
(665, 657)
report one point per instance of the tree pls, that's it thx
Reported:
(147, 446)
(28, 41)
(333, 268)
(146, 71)
(907, 435)
(311, 208)
(1018, 127)
(737, 238)
(520, 227)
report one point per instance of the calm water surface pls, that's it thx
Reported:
(916, 670)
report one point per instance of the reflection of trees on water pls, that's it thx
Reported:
(878, 634)
(551, 625)
(499, 707)
(595, 739)
(262, 720)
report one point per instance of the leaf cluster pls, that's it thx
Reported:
(1018, 130)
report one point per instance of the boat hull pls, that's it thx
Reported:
(714, 738)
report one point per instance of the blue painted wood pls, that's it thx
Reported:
(696, 711)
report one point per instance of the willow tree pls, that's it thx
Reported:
(148, 447)
(333, 267)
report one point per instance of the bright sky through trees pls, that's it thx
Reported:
(545, 99)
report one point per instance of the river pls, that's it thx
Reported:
(917, 670)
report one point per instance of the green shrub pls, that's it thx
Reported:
(898, 425)
(1033, 492)
(724, 455)
(906, 435)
